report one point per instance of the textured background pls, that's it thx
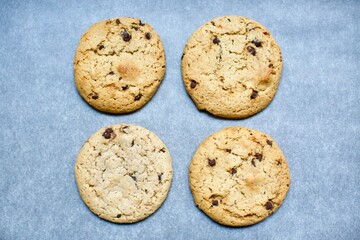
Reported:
(315, 118)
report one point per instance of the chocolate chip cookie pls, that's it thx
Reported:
(123, 173)
(231, 67)
(119, 64)
(239, 176)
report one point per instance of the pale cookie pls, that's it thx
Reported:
(239, 176)
(123, 173)
(231, 67)
(119, 64)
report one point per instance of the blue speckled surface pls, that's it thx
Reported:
(315, 118)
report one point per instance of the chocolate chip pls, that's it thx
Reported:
(254, 94)
(148, 35)
(269, 142)
(122, 130)
(118, 216)
(125, 87)
(132, 176)
(216, 40)
(212, 162)
(141, 24)
(111, 73)
(101, 47)
(233, 171)
(269, 205)
(215, 202)
(193, 84)
(137, 97)
(126, 36)
(162, 150)
(257, 43)
(253, 162)
(271, 65)
(228, 150)
(107, 133)
(251, 50)
(117, 21)
(213, 23)
(160, 176)
(258, 156)
(135, 28)
(95, 97)
(132, 143)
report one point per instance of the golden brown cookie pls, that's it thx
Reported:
(231, 67)
(119, 64)
(123, 173)
(239, 176)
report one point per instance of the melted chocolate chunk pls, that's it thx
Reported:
(193, 84)
(259, 156)
(148, 35)
(118, 216)
(251, 50)
(160, 176)
(269, 205)
(212, 162)
(216, 40)
(215, 202)
(122, 130)
(117, 21)
(132, 176)
(269, 142)
(233, 171)
(253, 162)
(138, 97)
(254, 94)
(257, 43)
(107, 133)
(95, 97)
(126, 36)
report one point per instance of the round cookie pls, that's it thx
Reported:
(119, 64)
(123, 173)
(231, 67)
(239, 176)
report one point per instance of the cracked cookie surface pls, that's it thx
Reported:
(231, 67)
(239, 176)
(123, 173)
(119, 64)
